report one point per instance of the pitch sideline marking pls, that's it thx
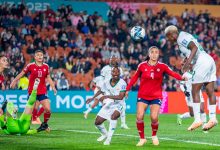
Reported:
(162, 138)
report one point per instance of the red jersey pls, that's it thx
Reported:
(1, 79)
(151, 78)
(40, 72)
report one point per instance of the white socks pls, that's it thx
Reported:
(185, 115)
(123, 117)
(102, 129)
(203, 118)
(212, 111)
(196, 111)
(88, 110)
(112, 126)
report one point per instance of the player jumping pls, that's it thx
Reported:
(114, 93)
(204, 73)
(186, 87)
(40, 70)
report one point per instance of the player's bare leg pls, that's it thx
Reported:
(99, 125)
(46, 105)
(154, 114)
(95, 103)
(35, 119)
(141, 108)
(212, 107)
(112, 127)
(40, 111)
(196, 106)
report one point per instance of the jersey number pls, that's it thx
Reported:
(152, 75)
(39, 74)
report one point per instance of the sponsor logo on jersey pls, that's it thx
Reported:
(158, 69)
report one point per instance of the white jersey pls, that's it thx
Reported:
(183, 41)
(98, 81)
(106, 72)
(108, 89)
(204, 68)
(110, 105)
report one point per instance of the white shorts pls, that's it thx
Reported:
(95, 91)
(204, 70)
(189, 100)
(108, 109)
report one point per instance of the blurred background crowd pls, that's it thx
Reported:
(77, 45)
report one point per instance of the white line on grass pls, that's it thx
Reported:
(162, 138)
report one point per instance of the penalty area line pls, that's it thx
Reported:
(162, 138)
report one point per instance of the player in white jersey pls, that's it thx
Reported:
(106, 73)
(96, 82)
(204, 73)
(186, 87)
(114, 92)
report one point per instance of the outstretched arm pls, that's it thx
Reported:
(134, 79)
(90, 99)
(173, 73)
(114, 97)
(13, 83)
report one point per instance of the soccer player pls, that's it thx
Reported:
(151, 74)
(114, 93)
(106, 73)
(40, 70)
(96, 82)
(204, 73)
(186, 87)
(3, 65)
(11, 124)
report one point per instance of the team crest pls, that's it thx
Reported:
(145, 69)
(158, 69)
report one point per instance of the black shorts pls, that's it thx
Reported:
(150, 102)
(40, 97)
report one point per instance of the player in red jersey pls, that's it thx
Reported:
(151, 74)
(3, 65)
(40, 70)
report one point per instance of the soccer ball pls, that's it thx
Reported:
(137, 33)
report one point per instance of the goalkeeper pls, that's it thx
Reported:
(11, 124)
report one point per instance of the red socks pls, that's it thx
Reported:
(154, 127)
(40, 112)
(47, 116)
(34, 114)
(140, 127)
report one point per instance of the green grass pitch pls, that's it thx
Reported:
(72, 131)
